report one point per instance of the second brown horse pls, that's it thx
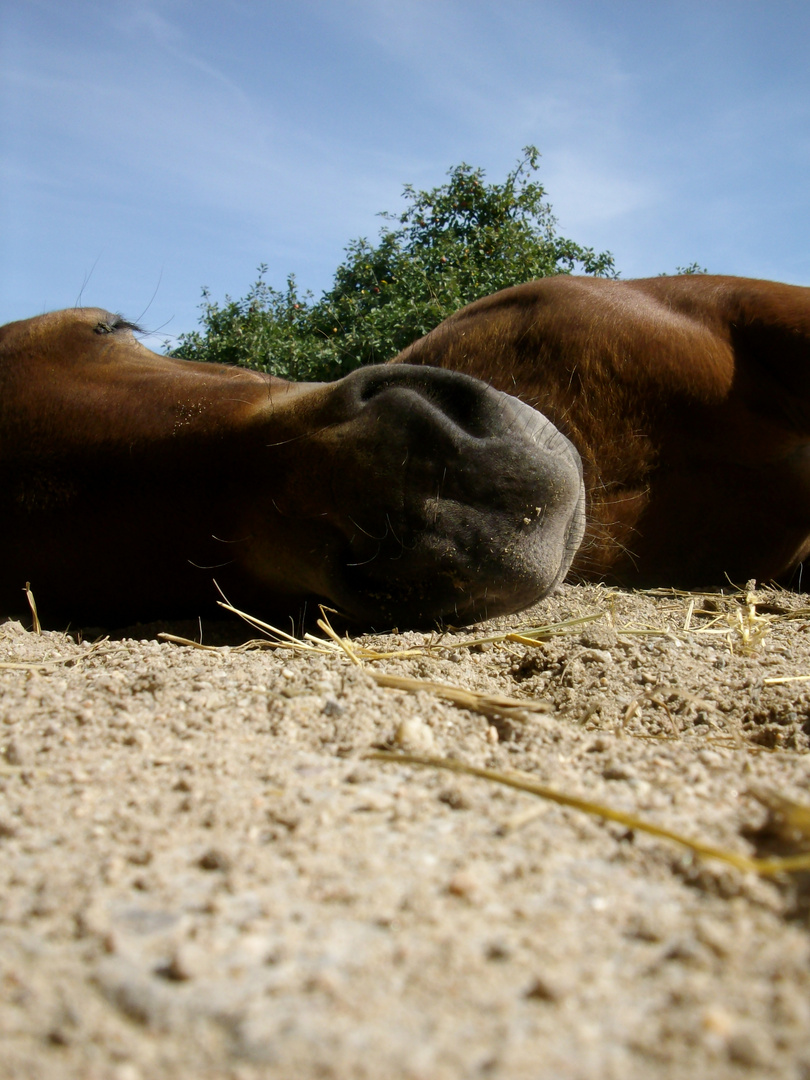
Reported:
(688, 399)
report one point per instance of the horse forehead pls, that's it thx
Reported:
(92, 318)
(69, 339)
(68, 326)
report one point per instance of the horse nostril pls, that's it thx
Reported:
(465, 402)
(372, 382)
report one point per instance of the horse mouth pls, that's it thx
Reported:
(499, 533)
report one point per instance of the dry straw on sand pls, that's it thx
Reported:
(734, 619)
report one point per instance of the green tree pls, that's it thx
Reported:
(692, 268)
(450, 246)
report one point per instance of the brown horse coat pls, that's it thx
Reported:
(129, 481)
(688, 399)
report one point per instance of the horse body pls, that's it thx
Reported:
(129, 480)
(688, 399)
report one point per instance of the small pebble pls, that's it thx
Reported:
(596, 656)
(7, 828)
(214, 860)
(186, 963)
(17, 753)
(463, 883)
(414, 735)
(618, 771)
(127, 1071)
(498, 950)
(749, 1049)
(543, 989)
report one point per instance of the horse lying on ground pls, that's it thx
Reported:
(405, 495)
(688, 399)
(402, 496)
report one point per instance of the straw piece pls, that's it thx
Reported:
(492, 705)
(29, 596)
(342, 643)
(523, 782)
(33, 665)
(64, 661)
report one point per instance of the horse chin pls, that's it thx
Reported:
(489, 569)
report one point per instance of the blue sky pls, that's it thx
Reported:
(150, 147)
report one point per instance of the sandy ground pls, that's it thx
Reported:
(202, 874)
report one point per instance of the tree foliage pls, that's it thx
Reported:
(450, 246)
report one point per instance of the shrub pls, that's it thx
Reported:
(450, 246)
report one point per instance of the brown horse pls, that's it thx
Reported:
(688, 399)
(129, 481)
